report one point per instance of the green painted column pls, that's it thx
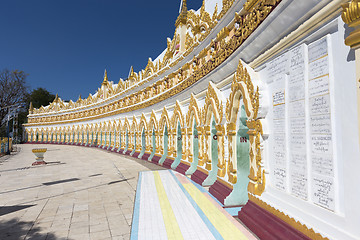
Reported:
(178, 146)
(195, 151)
(239, 195)
(166, 142)
(143, 143)
(213, 156)
(153, 143)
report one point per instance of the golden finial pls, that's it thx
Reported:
(105, 78)
(56, 98)
(182, 14)
(131, 72)
(31, 108)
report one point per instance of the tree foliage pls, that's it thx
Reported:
(40, 97)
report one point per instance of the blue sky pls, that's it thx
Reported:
(65, 45)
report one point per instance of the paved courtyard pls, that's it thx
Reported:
(82, 193)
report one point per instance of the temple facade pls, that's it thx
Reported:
(258, 100)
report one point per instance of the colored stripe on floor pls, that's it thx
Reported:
(169, 206)
(172, 226)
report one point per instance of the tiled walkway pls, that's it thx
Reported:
(168, 205)
(83, 193)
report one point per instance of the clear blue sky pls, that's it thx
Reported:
(65, 45)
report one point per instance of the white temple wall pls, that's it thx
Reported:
(336, 158)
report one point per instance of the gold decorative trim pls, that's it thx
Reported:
(351, 16)
(289, 220)
(247, 25)
(242, 87)
(351, 13)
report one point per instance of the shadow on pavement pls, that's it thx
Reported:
(15, 229)
(9, 209)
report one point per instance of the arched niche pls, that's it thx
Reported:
(119, 131)
(178, 135)
(153, 133)
(143, 129)
(193, 121)
(164, 122)
(126, 129)
(134, 135)
(242, 89)
(214, 131)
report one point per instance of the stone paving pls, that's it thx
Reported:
(82, 193)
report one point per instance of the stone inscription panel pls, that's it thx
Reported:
(302, 138)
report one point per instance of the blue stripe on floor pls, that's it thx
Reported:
(136, 212)
(211, 227)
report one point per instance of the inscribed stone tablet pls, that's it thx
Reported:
(279, 111)
(320, 105)
(321, 144)
(322, 164)
(323, 191)
(297, 109)
(279, 175)
(317, 49)
(298, 161)
(297, 126)
(319, 86)
(276, 67)
(298, 184)
(279, 125)
(297, 142)
(319, 68)
(320, 124)
(296, 86)
(279, 97)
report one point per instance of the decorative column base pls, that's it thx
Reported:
(220, 191)
(38, 162)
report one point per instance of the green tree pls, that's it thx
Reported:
(40, 97)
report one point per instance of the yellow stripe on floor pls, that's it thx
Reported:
(222, 224)
(171, 225)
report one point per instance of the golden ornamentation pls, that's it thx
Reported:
(181, 19)
(351, 16)
(168, 87)
(286, 218)
(193, 112)
(212, 99)
(177, 115)
(250, 4)
(242, 87)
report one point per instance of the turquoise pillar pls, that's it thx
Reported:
(195, 149)
(239, 195)
(143, 143)
(178, 147)
(166, 140)
(153, 141)
(211, 178)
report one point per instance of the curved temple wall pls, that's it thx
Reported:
(262, 110)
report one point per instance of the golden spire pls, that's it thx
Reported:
(131, 72)
(105, 78)
(56, 98)
(182, 14)
(31, 108)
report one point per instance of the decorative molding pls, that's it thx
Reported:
(351, 16)
(132, 102)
